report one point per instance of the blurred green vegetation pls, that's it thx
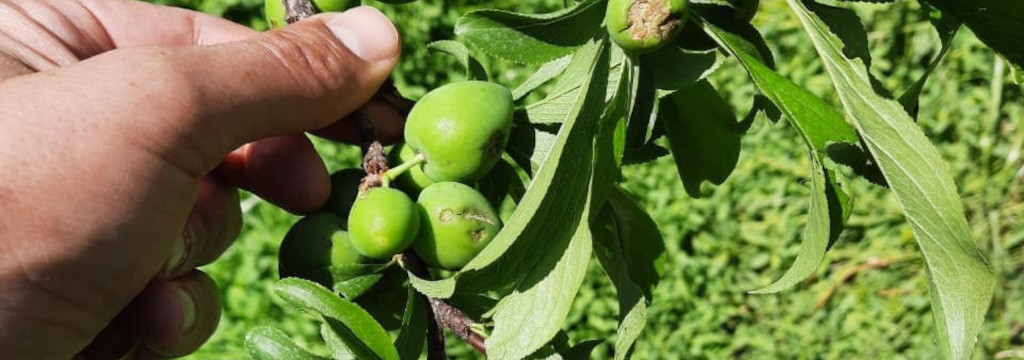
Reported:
(869, 301)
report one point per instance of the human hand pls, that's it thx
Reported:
(125, 123)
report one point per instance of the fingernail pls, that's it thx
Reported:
(177, 257)
(188, 310)
(367, 33)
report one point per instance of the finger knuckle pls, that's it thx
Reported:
(312, 56)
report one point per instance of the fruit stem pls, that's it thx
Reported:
(396, 171)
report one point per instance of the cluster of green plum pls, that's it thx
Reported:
(452, 157)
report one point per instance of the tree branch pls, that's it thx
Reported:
(444, 313)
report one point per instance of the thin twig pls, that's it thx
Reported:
(444, 313)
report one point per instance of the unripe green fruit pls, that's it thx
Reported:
(412, 181)
(383, 222)
(344, 189)
(276, 16)
(312, 245)
(461, 128)
(457, 221)
(642, 26)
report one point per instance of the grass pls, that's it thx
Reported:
(869, 300)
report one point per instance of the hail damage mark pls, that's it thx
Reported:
(650, 19)
(447, 215)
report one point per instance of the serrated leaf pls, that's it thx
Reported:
(997, 23)
(474, 70)
(267, 343)
(413, 333)
(822, 128)
(700, 127)
(337, 347)
(531, 38)
(545, 220)
(359, 285)
(545, 73)
(960, 279)
(359, 331)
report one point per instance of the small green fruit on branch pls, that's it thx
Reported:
(642, 26)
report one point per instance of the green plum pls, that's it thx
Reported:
(461, 129)
(642, 26)
(411, 181)
(383, 222)
(458, 222)
(344, 189)
(312, 245)
(275, 14)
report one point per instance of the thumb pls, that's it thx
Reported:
(298, 78)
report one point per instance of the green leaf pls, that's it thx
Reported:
(348, 271)
(997, 23)
(474, 71)
(337, 347)
(947, 26)
(554, 108)
(531, 38)
(545, 220)
(631, 251)
(960, 279)
(675, 68)
(267, 343)
(359, 285)
(821, 230)
(703, 142)
(532, 314)
(545, 73)
(413, 333)
(824, 131)
(360, 332)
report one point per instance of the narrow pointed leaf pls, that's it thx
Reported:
(960, 279)
(822, 128)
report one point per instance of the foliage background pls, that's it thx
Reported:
(869, 301)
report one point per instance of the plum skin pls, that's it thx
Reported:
(461, 129)
(457, 223)
(383, 222)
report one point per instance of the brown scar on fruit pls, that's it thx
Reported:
(447, 215)
(493, 146)
(478, 234)
(649, 19)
